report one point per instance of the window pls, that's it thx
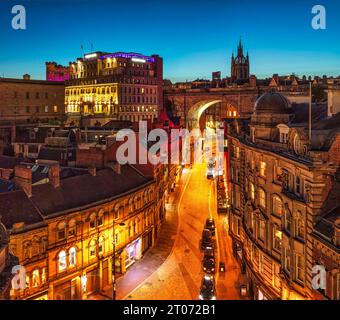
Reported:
(37, 95)
(92, 248)
(299, 226)
(262, 226)
(287, 260)
(298, 185)
(27, 95)
(43, 275)
(61, 231)
(299, 265)
(55, 109)
(46, 109)
(262, 169)
(277, 237)
(252, 191)
(101, 243)
(262, 198)
(62, 261)
(35, 278)
(93, 219)
(72, 257)
(277, 206)
(72, 228)
(101, 219)
(288, 220)
(283, 137)
(237, 152)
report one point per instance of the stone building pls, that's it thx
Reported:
(123, 86)
(57, 72)
(66, 229)
(7, 262)
(282, 187)
(29, 101)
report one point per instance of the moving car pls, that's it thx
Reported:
(209, 265)
(206, 239)
(210, 225)
(209, 252)
(208, 289)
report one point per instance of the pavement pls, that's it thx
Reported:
(172, 269)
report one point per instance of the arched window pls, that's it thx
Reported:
(100, 218)
(92, 249)
(262, 198)
(72, 257)
(277, 205)
(62, 261)
(93, 221)
(101, 245)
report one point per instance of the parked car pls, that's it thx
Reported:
(222, 267)
(209, 265)
(210, 225)
(206, 241)
(208, 289)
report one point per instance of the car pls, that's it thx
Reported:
(209, 252)
(222, 267)
(210, 225)
(208, 265)
(208, 289)
(206, 239)
(210, 174)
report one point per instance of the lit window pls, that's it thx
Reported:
(55, 109)
(101, 245)
(262, 169)
(277, 237)
(46, 109)
(43, 275)
(35, 278)
(252, 191)
(72, 257)
(92, 248)
(62, 261)
(262, 198)
(277, 206)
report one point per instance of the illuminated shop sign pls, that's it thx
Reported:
(136, 57)
(90, 56)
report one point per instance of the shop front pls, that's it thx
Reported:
(68, 290)
(147, 241)
(133, 252)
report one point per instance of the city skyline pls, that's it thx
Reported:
(181, 34)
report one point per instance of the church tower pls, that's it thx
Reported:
(240, 66)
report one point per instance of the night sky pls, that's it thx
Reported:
(194, 37)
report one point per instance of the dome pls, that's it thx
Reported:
(272, 102)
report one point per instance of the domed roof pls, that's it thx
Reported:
(272, 102)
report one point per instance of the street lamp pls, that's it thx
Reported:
(114, 290)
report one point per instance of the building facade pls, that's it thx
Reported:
(72, 233)
(57, 72)
(281, 187)
(30, 101)
(122, 86)
(7, 262)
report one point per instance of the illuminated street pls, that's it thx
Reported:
(180, 275)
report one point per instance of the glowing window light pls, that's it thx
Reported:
(90, 56)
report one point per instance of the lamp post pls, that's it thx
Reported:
(114, 290)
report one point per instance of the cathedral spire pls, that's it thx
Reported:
(240, 48)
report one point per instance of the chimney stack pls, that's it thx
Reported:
(23, 178)
(54, 175)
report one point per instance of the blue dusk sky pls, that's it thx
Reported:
(194, 37)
